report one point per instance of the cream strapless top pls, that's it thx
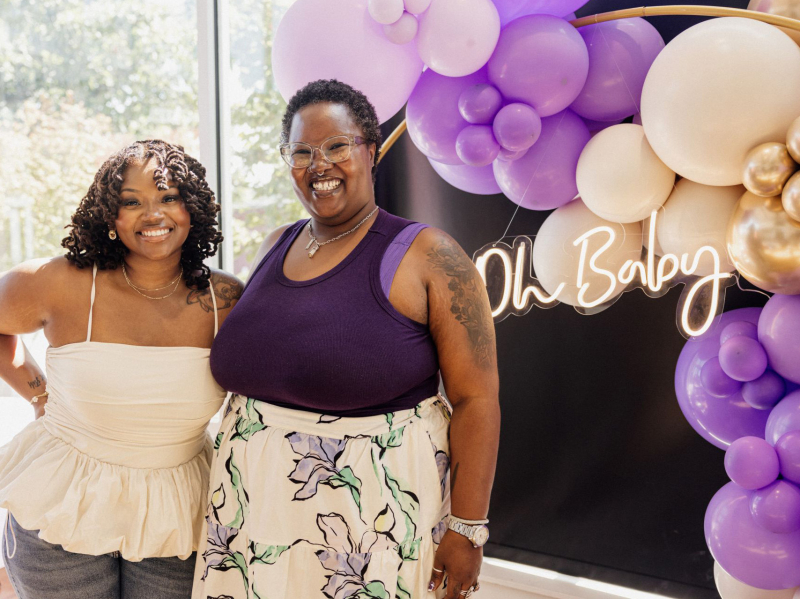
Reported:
(120, 461)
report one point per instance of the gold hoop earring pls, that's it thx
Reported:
(112, 234)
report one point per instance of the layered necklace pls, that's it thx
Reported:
(314, 245)
(176, 282)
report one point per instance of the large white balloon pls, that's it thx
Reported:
(619, 176)
(730, 588)
(716, 91)
(557, 260)
(457, 37)
(696, 215)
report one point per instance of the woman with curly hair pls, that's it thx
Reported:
(105, 489)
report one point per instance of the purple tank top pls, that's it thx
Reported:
(333, 344)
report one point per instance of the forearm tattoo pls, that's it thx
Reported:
(35, 383)
(227, 292)
(466, 303)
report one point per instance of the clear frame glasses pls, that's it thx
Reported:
(334, 149)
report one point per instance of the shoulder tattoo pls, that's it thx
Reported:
(227, 291)
(466, 303)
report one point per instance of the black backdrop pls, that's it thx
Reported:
(599, 474)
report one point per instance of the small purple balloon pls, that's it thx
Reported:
(751, 463)
(788, 448)
(480, 103)
(540, 60)
(476, 145)
(743, 358)
(764, 392)
(736, 329)
(777, 507)
(620, 54)
(514, 9)
(477, 180)
(517, 127)
(716, 382)
(745, 550)
(720, 421)
(779, 333)
(544, 177)
(783, 418)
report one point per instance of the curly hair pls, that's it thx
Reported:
(336, 92)
(88, 242)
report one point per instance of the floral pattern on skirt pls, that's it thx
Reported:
(304, 505)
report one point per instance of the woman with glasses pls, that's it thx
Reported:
(106, 488)
(339, 470)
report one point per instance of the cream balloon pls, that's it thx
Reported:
(767, 168)
(716, 91)
(790, 198)
(764, 244)
(696, 215)
(556, 259)
(730, 588)
(783, 8)
(793, 139)
(619, 176)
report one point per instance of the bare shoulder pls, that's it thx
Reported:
(44, 274)
(270, 240)
(227, 290)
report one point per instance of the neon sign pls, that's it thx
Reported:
(506, 272)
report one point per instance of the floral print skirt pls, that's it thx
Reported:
(304, 505)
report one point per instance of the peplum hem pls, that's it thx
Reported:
(93, 507)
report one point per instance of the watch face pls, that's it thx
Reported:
(481, 536)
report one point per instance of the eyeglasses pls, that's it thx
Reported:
(334, 149)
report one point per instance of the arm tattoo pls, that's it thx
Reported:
(226, 290)
(35, 383)
(465, 304)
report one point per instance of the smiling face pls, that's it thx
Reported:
(331, 193)
(151, 223)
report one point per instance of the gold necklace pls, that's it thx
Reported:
(314, 245)
(176, 281)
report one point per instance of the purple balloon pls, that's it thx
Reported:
(777, 507)
(620, 54)
(514, 9)
(508, 156)
(745, 550)
(764, 392)
(479, 180)
(517, 127)
(783, 418)
(544, 178)
(743, 358)
(779, 333)
(480, 103)
(736, 329)
(718, 421)
(751, 463)
(434, 121)
(540, 60)
(476, 145)
(788, 448)
(716, 382)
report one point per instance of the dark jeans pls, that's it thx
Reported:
(40, 570)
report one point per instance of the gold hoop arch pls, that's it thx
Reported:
(646, 11)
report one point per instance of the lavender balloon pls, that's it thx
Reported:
(514, 9)
(764, 392)
(716, 382)
(743, 358)
(434, 121)
(746, 550)
(476, 145)
(479, 180)
(540, 60)
(402, 31)
(788, 448)
(779, 333)
(517, 127)
(740, 328)
(479, 104)
(751, 463)
(777, 507)
(416, 7)
(783, 418)
(620, 54)
(386, 12)
(718, 421)
(509, 156)
(544, 177)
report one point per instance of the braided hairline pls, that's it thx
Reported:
(88, 243)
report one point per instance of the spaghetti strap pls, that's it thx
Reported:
(91, 303)
(214, 301)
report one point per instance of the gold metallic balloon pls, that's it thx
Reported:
(764, 244)
(767, 167)
(793, 139)
(783, 8)
(791, 197)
